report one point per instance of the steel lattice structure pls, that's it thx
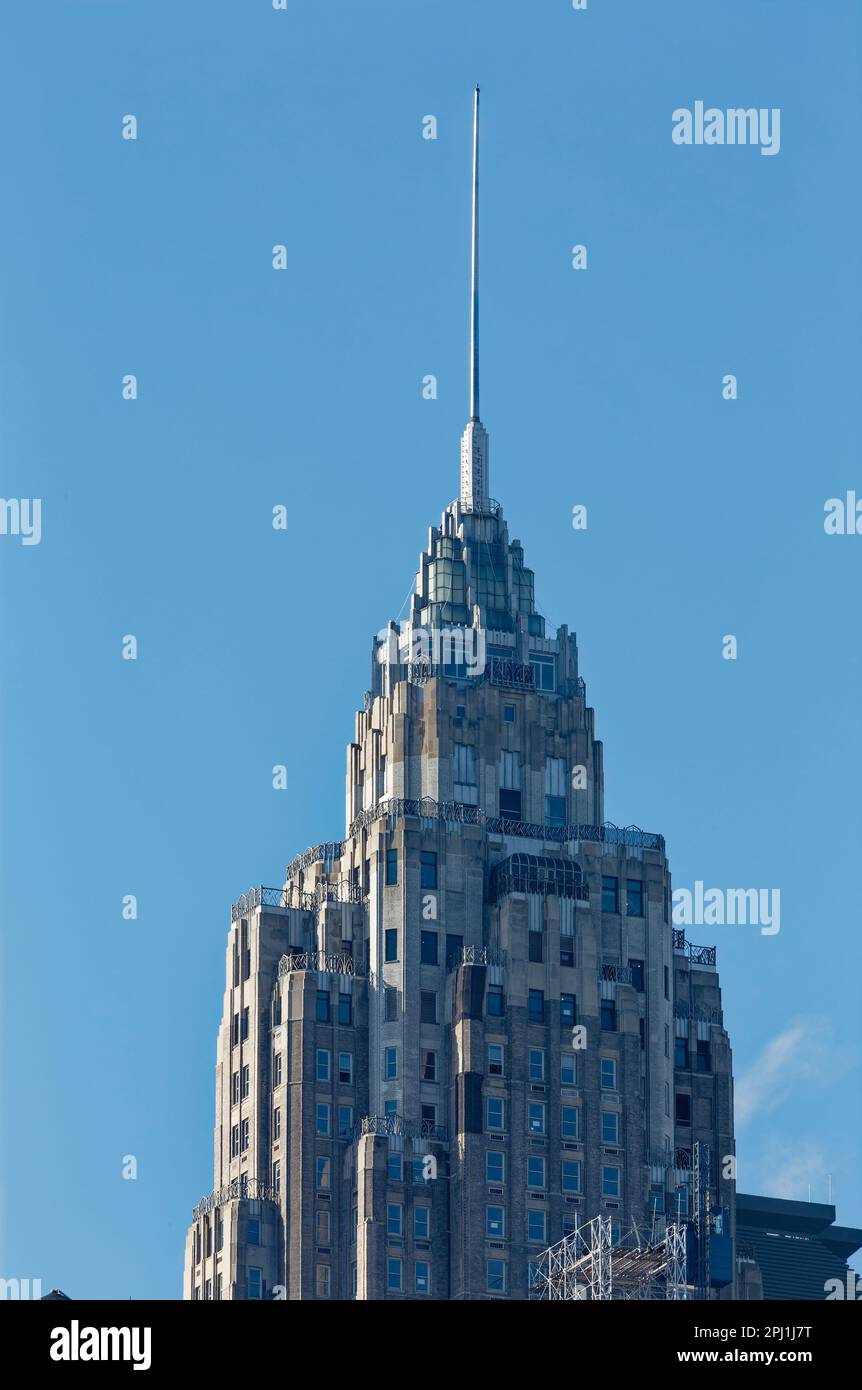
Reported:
(587, 1265)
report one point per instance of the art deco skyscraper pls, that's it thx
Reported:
(468, 1027)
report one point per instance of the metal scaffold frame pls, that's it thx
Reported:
(587, 1265)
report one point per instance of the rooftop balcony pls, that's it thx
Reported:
(396, 1124)
(697, 955)
(476, 955)
(427, 808)
(243, 1189)
(319, 960)
(284, 898)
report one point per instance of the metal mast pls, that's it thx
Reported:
(474, 440)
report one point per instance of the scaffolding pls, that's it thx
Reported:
(587, 1265)
(673, 1263)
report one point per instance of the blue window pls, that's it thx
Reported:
(322, 1008)
(428, 947)
(428, 869)
(610, 1182)
(390, 939)
(610, 1127)
(391, 866)
(495, 1281)
(495, 1167)
(536, 1006)
(571, 1175)
(394, 1275)
(610, 894)
(634, 897)
(496, 1001)
(537, 1225)
(536, 1116)
(422, 1223)
(536, 1171)
(423, 1276)
(543, 671)
(495, 1223)
(495, 1113)
(568, 1009)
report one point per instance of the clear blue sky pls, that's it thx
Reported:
(303, 388)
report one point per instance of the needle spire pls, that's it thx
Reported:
(474, 440)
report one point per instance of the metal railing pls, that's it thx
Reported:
(328, 852)
(239, 1189)
(697, 1013)
(476, 955)
(493, 508)
(396, 1124)
(318, 960)
(698, 955)
(618, 974)
(515, 675)
(630, 836)
(341, 892)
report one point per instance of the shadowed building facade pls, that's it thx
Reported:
(469, 1026)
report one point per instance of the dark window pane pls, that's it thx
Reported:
(454, 946)
(428, 869)
(610, 894)
(568, 1008)
(428, 947)
(634, 897)
(496, 1002)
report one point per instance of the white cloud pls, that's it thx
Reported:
(795, 1053)
(789, 1171)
